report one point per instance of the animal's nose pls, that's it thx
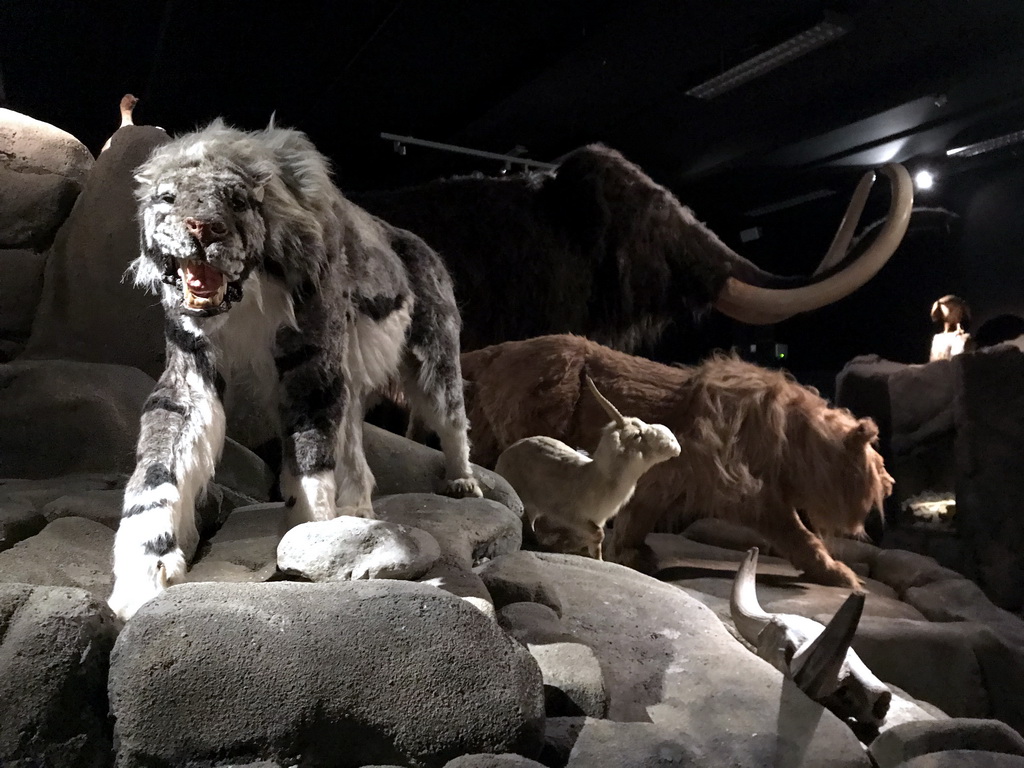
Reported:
(206, 232)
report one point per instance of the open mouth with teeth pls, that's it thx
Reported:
(204, 287)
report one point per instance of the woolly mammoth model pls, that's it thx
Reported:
(599, 249)
(757, 447)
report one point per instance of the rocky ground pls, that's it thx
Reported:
(428, 637)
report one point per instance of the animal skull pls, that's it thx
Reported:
(817, 658)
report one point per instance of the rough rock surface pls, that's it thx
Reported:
(910, 740)
(471, 530)
(964, 758)
(518, 577)
(348, 673)
(69, 552)
(62, 417)
(55, 648)
(18, 520)
(493, 761)
(42, 171)
(679, 684)
(21, 275)
(404, 466)
(88, 259)
(245, 546)
(355, 548)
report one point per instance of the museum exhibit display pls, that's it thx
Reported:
(576, 385)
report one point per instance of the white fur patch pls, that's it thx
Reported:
(314, 496)
(375, 348)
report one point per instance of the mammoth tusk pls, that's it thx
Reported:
(763, 306)
(816, 669)
(747, 613)
(610, 409)
(841, 242)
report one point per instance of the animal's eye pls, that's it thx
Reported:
(239, 203)
(167, 197)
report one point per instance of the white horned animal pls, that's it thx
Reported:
(568, 496)
(816, 657)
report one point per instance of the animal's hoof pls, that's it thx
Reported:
(133, 590)
(463, 487)
(365, 512)
(839, 575)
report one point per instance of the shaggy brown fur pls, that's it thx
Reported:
(595, 248)
(756, 445)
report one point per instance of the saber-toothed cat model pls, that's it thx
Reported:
(269, 275)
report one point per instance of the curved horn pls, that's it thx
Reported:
(610, 409)
(841, 242)
(816, 672)
(762, 306)
(747, 614)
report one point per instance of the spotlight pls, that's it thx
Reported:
(399, 148)
(924, 180)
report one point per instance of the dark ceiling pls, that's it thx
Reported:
(910, 79)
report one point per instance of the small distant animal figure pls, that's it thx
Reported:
(128, 102)
(953, 312)
(568, 497)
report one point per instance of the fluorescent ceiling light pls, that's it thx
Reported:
(751, 69)
(988, 145)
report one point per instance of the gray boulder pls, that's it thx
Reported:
(515, 578)
(964, 758)
(87, 312)
(69, 552)
(910, 654)
(404, 466)
(493, 761)
(344, 673)
(574, 684)
(42, 171)
(910, 740)
(573, 681)
(21, 275)
(102, 507)
(470, 530)
(245, 546)
(18, 521)
(355, 548)
(59, 417)
(55, 648)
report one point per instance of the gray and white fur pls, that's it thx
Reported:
(568, 497)
(273, 284)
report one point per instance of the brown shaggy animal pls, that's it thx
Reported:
(597, 247)
(756, 445)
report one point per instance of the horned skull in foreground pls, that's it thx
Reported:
(817, 658)
(276, 289)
